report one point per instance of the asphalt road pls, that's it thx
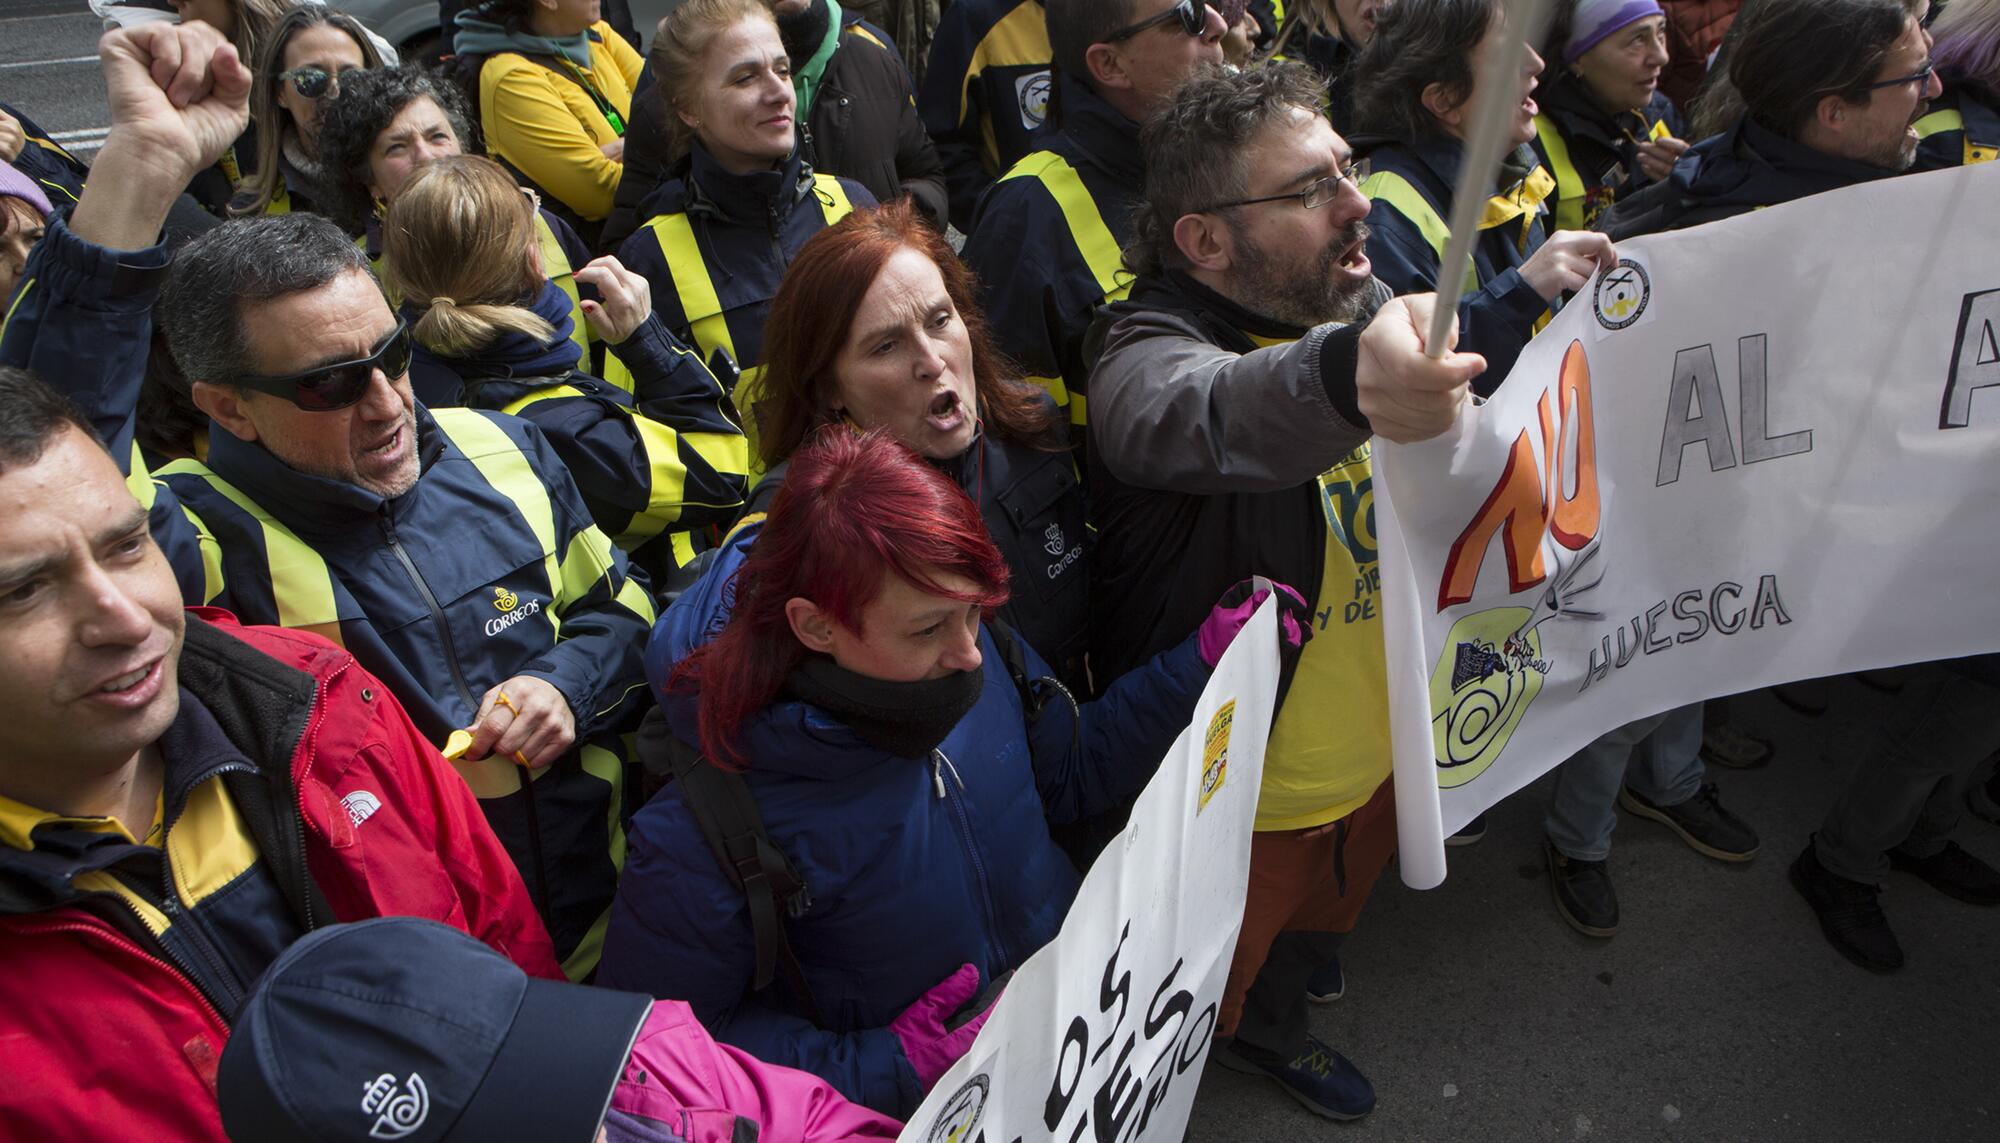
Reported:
(1717, 1013)
(48, 69)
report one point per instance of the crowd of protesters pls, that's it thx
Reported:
(528, 579)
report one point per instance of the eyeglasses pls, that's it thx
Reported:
(325, 388)
(1921, 78)
(1316, 194)
(1193, 18)
(314, 82)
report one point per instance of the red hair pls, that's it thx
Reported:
(814, 312)
(854, 507)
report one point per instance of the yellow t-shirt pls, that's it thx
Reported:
(1329, 748)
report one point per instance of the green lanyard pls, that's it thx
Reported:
(604, 107)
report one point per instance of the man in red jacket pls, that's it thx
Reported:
(180, 799)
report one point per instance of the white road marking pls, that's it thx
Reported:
(66, 60)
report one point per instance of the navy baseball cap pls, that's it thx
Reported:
(405, 1029)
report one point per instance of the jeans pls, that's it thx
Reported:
(1659, 757)
(1907, 792)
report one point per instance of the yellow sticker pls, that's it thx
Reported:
(1215, 753)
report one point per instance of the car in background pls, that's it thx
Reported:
(412, 25)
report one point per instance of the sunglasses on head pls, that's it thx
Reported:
(324, 388)
(314, 82)
(1193, 17)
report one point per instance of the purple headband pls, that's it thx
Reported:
(14, 184)
(1597, 19)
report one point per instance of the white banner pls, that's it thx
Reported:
(1102, 1034)
(1757, 451)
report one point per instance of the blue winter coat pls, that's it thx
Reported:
(914, 867)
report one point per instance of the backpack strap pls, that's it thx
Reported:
(726, 811)
(1032, 698)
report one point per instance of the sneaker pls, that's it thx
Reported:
(1327, 983)
(1810, 703)
(1322, 1080)
(1583, 893)
(1701, 821)
(1469, 833)
(1984, 799)
(1953, 872)
(1724, 745)
(1849, 912)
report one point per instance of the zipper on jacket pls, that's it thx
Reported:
(437, 613)
(163, 958)
(185, 921)
(993, 935)
(298, 814)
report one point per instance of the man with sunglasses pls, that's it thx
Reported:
(1232, 405)
(1047, 238)
(448, 551)
(1832, 91)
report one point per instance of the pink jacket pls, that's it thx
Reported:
(680, 1086)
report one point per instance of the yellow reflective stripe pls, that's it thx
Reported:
(666, 495)
(1938, 122)
(1078, 409)
(1569, 184)
(1020, 39)
(281, 200)
(20, 295)
(1057, 388)
(587, 561)
(683, 546)
(829, 188)
(213, 579)
(745, 522)
(864, 33)
(138, 481)
(301, 583)
(1392, 188)
(605, 766)
(556, 268)
(617, 373)
(699, 303)
(506, 468)
(1093, 238)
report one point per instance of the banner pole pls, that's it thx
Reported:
(1484, 149)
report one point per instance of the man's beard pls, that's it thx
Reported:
(1299, 292)
(1902, 154)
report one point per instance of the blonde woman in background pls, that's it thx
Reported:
(461, 249)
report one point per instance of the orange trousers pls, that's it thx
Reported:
(1295, 886)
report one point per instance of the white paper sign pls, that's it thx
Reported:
(1101, 1035)
(1761, 450)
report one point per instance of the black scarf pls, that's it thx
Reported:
(802, 34)
(905, 719)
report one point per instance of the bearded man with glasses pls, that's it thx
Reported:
(449, 551)
(1233, 404)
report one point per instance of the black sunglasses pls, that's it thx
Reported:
(324, 388)
(1193, 18)
(314, 82)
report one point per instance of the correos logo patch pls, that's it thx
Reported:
(514, 608)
